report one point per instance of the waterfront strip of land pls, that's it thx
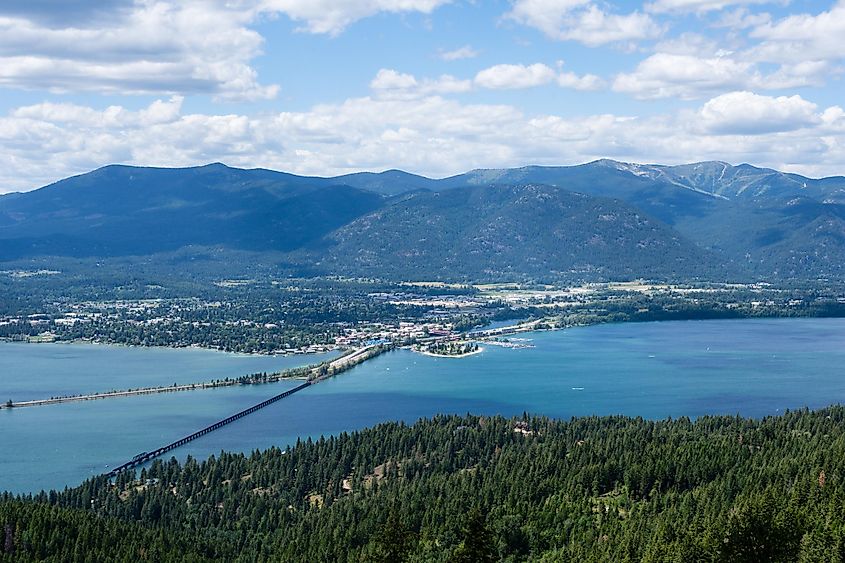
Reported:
(318, 372)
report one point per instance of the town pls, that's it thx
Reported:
(284, 321)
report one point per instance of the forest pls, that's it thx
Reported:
(470, 488)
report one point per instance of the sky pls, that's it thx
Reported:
(434, 87)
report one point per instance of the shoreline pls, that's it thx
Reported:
(143, 391)
(311, 373)
(89, 342)
(457, 356)
(522, 327)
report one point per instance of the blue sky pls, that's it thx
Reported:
(434, 87)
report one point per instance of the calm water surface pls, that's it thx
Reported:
(39, 371)
(654, 370)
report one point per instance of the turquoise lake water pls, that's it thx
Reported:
(654, 370)
(39, 371)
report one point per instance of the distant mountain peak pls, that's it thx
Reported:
(517, 221)
(216, 166)
(607, 162)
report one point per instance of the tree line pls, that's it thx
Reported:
(469, 488)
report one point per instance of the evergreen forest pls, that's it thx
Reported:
(470, 488)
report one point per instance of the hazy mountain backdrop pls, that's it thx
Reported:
(602, 220)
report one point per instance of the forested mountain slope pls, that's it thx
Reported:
(524, 231)
(452, 488)
(763, 222)
(120, 210)
(713, 221)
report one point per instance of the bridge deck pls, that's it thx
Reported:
(333, 368)
(147, 456)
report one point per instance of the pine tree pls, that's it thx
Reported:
(477, 545)
(394, 541)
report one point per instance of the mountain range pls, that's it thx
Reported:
(596, 221)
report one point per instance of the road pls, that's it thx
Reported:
(319, 372)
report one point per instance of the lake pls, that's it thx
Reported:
(654, 370)
(40, 371)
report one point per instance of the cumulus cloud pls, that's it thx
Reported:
(465, 52)
(431, 135)
(390, 83)
(583, 21)
(696, 6)
(802, 37)
(508, 76)
(516, 76)
(389, 79)
(742, 18)
(159, 46)
(585, 82)
(688, 76)
(697, 44)
(62, 12)
(803, 73)
(160, 111)
(664, 75)
(333, 16)
(796, 51)
(746, 113)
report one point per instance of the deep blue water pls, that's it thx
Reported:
(654, 370)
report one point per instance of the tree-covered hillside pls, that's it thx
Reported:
(599, 221)
(130, 211)
(474, 489)
(511, 233)
(760, 222)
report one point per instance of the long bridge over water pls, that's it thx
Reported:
(318, 374)
(147, 456)
(314, 372)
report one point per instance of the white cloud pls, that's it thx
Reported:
(689, 43)
(389, 83)
(333, 16)
(160, 46)
(389, 79)
(509, 76)
(664, 75)
(157, 47)
(741, 18)
(430, 135)
(696, 6)
(804, 73)
(746, 113)
(585, 82)
(797, 51)
(802, 37)
(583, 21)
(687, 76)
(465, 52)
(114, 116)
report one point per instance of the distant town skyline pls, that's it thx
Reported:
(433, 87)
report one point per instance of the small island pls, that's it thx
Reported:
(450, 349)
